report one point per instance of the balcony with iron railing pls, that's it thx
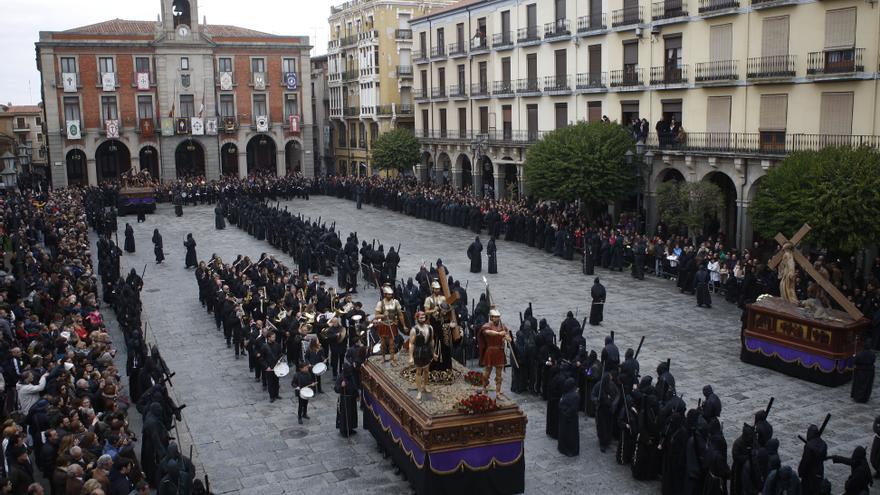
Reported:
(771, 67)
(350, 75)
(384, 109)
(511, 136)
(349, 40)
(369, 71)
(404, 71)
(766, 4)
(368, 35)
(479, 44)
(668, 10)
(528, 35)
(591, 81)
(333, 46)
(758, 143)
(457, 49)
(590, 24)
(528, 86)
(404, 109)
(438, 93)
(558, 29)
(716, 6)
(557, 84)
(503, 89)
(403, 34)
(718, 71)
(627, 78)
(457, 91)
(438, 52)
(368, 110)
(480, 89)
(20, 127)
(630, 16)
(502, 41)
(420, 94)
(420, 56)
(841, 62)
(672, 75)
(351, 111)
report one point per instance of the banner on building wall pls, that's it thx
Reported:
(108, 81)
(167, 126)
(143, 81)
(291, 80)
(294, 123)
(183, 125)
(73, 130)
(262, 123)
(68, 81)
(229, 124)
(259, 81)
(111, 127)
(211, 126)
(225, 81)
(198, 126)
(147, 128)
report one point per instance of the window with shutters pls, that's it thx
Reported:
(68, 65)
(443, 122)
(462, 122)
(629, 112)
(484, 120)
(718, 122)
(630, 62)
(145, 106)
(594, 78)
(507, 121)
(532, 121)
(836, 113)
(561, 115)
(109, 110)
(227, 106)
(106, 65)
(425, 122)
(772, 125)
(291, 105)
(71, 108)
(840, 41)
(721, 65)
(594, 111)
(260, 108)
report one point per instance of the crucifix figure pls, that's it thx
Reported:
(785, 260)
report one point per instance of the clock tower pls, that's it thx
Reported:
(180, 19)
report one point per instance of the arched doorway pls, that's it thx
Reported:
(427, 164)
(724, 224)
(189, 159)
(149, 159)
(363, 171)
(511, 181)
(488, 178)
(293, 157)
(112, 159)
(467, 172)
(343, 169)
(261, 155)
(76, 168)
(441, 171)
(669, 174)
(229, 160)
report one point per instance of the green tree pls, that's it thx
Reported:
(835, 190)
(584, 162)
(397, 149)
(689, 204)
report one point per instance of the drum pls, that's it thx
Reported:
(281, 369)
(319, 369)
(356, 318)
(385, 330)
(377, 348)
(306, 393)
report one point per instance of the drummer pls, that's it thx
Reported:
(390, 313)
(302, 380)
(315, 355)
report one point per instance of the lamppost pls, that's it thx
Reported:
(643, 182)
(478, 146)
(24, 159)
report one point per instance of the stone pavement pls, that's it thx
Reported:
(247, 445)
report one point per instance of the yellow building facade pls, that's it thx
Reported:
(370, 75)
(727, 87)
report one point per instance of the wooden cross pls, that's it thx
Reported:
(801, 260)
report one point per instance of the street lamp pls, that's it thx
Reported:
(479, 146)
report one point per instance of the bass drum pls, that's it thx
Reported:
(281, 370)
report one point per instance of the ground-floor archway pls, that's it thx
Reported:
(149, 160)
(261, 155)
(441, 171)
(229, 160)
(511, 181)
(724, 224)
(112, 159)
(488, 174)
(467, 172)
(76, 168)
(343, 167)
(293, 157)
(189, 159)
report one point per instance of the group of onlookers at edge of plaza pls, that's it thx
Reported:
(66, 405)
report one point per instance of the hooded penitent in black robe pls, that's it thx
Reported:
(475, 254)
(492, 254)
(190, 245)
(219, 221)
(701, 279)
(129, 239)
(863, 376)
(157, 246)
(554, 393)
(569, 435)
(598, 306)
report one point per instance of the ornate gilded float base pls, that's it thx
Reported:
(441, 450)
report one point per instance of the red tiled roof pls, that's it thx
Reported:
(122, 26)
(448, 8)
(23, 109)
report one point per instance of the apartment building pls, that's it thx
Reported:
(177, 97)
(323, 155)
(21, 130)
(370, 74)
(748, 81)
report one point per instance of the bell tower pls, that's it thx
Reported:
(176, 13)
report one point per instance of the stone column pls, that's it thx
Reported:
(743, 224)
(242, 162)
(422, 172)
(498, 175)
(456, 174)
(520, 180)
(280, 164)
(477, 179)
(92, 171)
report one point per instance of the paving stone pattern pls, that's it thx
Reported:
(247, 445)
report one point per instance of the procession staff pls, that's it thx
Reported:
(493, 335)
(389, 312)
(421, 352)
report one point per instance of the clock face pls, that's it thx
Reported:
(183, 31)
